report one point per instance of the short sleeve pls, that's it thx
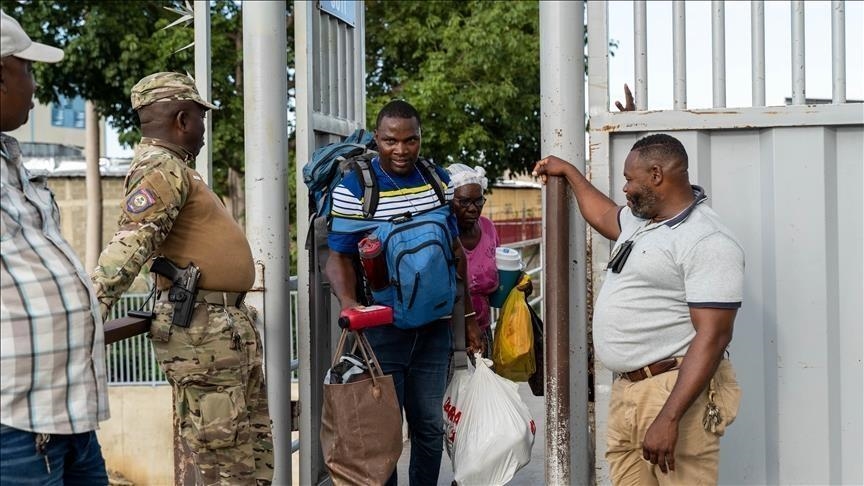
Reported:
(346, 204)
(714, 273)
(448, 184)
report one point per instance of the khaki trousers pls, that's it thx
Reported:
(633, 407)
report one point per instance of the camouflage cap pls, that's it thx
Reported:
(166, 86)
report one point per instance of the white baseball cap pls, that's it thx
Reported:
(15, 42)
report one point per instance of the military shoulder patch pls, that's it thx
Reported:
(140, 200)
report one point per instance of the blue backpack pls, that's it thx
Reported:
(419, 250)
(421, 267)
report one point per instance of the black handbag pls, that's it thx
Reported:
(538, 379)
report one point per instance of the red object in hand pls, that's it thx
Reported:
(374, 262)
(361, 317)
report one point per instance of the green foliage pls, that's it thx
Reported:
(110, 45)
(471, 68)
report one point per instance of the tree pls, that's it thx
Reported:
(109, 48)
(472, 69)
(110, 45)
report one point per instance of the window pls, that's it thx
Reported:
(68, 112)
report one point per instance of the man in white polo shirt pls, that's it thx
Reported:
(664, 316)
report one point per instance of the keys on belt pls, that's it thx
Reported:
(653, 369)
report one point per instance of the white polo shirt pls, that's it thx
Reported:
(642, 314)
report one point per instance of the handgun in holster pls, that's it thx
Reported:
(184, 287)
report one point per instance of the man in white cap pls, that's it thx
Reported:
(53, 390)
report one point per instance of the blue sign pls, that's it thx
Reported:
(344, 10)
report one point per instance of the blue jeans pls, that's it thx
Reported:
(73, 458)
(418, 360)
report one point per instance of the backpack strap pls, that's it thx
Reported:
(366, 176)
(427, 170)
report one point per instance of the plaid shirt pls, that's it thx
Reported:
(52, 351)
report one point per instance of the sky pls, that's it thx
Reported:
(778, 54)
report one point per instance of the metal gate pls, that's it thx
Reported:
(787, 181)
(331, 103)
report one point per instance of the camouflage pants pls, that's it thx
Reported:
(220, 395)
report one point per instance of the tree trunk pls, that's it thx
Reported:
(94, 188)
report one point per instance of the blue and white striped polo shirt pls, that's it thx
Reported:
(397, 195)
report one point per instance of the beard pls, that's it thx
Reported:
(643, 203)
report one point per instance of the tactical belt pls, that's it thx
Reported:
(214, 297)
(220, 298)
(653, 369)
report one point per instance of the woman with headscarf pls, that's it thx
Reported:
(478, 238)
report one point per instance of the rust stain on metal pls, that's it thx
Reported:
(609, 127)
(557, 435)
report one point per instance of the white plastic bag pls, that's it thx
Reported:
(489, 431)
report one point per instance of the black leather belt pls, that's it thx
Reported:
(653, 369)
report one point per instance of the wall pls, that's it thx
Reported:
(71, 196)
(504, 203)
(137, 440)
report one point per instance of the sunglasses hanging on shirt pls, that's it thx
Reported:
(616, 263)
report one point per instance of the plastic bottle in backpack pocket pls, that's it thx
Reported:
(374, 262)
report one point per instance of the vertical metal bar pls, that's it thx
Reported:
(640, 53)
(136, 359)
(332, 48)
(799, 95)
(679, 55)
(757, 52)
(265, 101)
(569, 449)
(307, 77)
(204, 161)
(838, 51)
(125, 349)
(718, 52)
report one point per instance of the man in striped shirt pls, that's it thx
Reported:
(418, 358)
(53, 391)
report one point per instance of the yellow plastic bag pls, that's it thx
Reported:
(513, 345)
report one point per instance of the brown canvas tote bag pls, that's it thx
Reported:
(361, 423)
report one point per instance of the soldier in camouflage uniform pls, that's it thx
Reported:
(214, 365)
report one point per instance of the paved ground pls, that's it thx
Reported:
(530, 475)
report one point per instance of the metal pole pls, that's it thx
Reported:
(679, 55)
(799, 96)
(718, 52)
(93, 183)
(569, 446)
(265, 104)
(640, 54)
(204, 161)
(757, 51)
(305, 137)
(838, 51)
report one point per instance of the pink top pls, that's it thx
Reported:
(482, 272)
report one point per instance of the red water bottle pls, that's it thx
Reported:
(361, 317)
(374, 262)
